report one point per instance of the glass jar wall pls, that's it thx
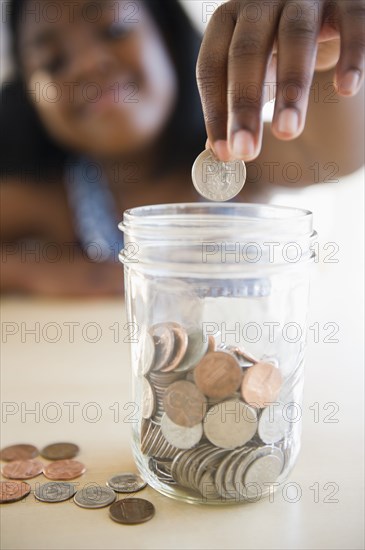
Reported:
(217, 299)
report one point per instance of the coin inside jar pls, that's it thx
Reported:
(261, 384)
(217, 180)
(274, 424)
(164, 340)
(147, 354)
(148, 399)
(132, 510)
(184, 403)
(262, 471)
(197, 348)
(218, 375)
(180, 346)
(230, 424)
(180, 436)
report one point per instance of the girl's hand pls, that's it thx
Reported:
(251, 48)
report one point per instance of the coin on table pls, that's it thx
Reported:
(18, 452)
(164, 340)
(94, 497)
(60, 451)
(64, 469)
(180, 436)
(218, 375)
(217, 180)
(184, 403)
(132, 510)
(22, 469)
(126, 483)
(12, 491)
(261, 384)
(54, 491)
(230, 424)
(180, 347)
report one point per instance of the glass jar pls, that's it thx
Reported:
(217, 298)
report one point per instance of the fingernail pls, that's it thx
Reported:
(288, 121)
(243, 145)
(350, 82)
(221, 150)
(207, 144)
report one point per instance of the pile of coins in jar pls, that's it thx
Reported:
(207, 421)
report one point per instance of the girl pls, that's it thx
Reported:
(103, 114)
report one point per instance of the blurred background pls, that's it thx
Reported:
(54, 136)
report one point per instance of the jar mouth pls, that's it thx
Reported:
(187, 219)
(197, 238)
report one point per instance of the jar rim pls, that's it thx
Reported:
(141, 214)
(282, 221)
(178, 234)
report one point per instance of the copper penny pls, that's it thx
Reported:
(11, 491)
(64, 469)
(60, 451)
(132, 510)
(180, 347)
(18, 452)
(261, 384)
(22, 469)
(164, 340)
(218, 375)
(184, 404)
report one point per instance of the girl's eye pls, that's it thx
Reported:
(54, 64)
(116, 30)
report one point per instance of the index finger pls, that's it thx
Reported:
(211, 74)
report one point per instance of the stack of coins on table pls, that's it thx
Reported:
(21, 463)
(211, 422)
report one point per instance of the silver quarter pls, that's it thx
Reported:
(216, 180)
(261, 473)
(230, 424)
(274, 424)
(148, 354)
(94, 496)
(180, 436)
(148, 399)
(54, 491)
(196, 350)
(248, 487)
(126, 483)
(164, 340)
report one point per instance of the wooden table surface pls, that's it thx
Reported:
(55, 387)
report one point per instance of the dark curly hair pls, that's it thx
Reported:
(25, 145)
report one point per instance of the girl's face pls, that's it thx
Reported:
(98, 73)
